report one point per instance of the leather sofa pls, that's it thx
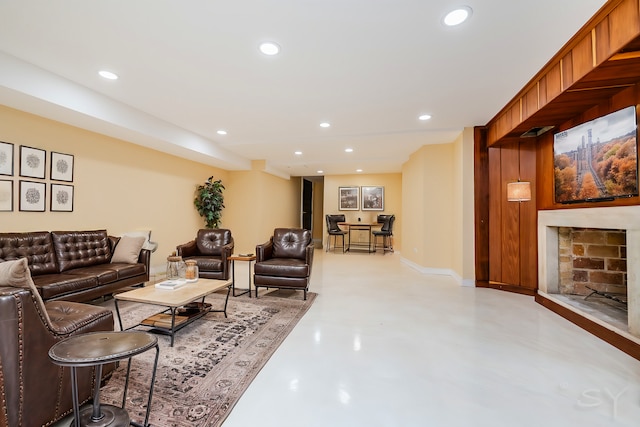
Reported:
(33, 390)
(74, 265)
(284, 261)
(211, 250)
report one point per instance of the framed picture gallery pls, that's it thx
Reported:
(32, 196)
(348, 198)
(372, 198)
(6, 158)
(61, 198)
(32, 162)
(61, 167)
(6, 195)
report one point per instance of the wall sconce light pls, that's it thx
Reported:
(519, 191)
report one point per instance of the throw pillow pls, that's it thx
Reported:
(17, 275)
(128, 249)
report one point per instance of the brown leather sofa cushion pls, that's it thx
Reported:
(282, 267)
(54, 285)
(76, 249)
(290, 243)
(210, 241)
(36, 247)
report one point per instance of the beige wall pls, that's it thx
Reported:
(393, 197)
(438, 207)
(428, 207)
(123, 187)
(463, 209)
(257, 203)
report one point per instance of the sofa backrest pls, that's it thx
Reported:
(36, 247)
(290, 243)
(210, 241)
(76, 249)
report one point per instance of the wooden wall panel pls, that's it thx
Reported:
(624, 24)
(528, 239)
(530, 102)
(495, 215)
(510, 225)
(582, 58)
(481, 203)
(603, 44)
(567, 71)
(554, 82)
(544, 171)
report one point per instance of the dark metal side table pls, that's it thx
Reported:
(97, 349)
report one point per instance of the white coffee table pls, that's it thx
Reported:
(176, 316)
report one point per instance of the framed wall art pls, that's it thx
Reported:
(348, 198)
(32, 196)
(32, 162)
(6, 158)
(61, 198)
(372, 198)
(6, 196)
(61, 167)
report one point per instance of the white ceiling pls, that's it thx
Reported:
(191, 67)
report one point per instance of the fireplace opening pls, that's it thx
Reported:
(593, 272)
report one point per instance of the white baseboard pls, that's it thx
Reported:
(440, 272)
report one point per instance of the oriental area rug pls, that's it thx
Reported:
(212, 362)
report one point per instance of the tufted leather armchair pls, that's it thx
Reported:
(211, 250)
(285, 260)
(33, 390)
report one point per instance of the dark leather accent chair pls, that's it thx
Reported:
(33, 390)
(284, 261)
(334, 230)
(211, 251)
(386, 232)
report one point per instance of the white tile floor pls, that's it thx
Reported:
(385, 345)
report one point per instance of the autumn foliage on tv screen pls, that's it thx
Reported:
(597, 159)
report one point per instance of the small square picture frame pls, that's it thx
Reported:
(33, 162)
(6, 195)
(372, 198)
(6, 158)
(61, 198)
(32, 196)
(61, 167)
(348, 198)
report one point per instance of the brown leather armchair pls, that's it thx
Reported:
(33, 390)
(211, 250)
(284, 261)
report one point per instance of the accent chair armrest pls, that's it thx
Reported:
(264, 251)
(187, 249)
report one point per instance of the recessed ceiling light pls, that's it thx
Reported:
(298, 153)
(325, 125)
(348, 150)
(222, 132)
(424, 117)
(108, 75)
(457, 16)
(270, 48)
(320, 171)
(358, 170)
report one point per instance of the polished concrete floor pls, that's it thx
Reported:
(385, 345)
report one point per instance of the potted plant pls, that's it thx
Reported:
(209, 202)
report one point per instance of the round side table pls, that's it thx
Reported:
(97, 349)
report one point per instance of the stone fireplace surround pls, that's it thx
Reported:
(622, 217)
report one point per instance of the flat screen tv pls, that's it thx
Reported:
(597, 160)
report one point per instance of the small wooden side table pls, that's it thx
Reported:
(240, 257)
(97, 349)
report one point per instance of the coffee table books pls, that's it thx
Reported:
(171, 284)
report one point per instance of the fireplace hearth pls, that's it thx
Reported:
(605, 259)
